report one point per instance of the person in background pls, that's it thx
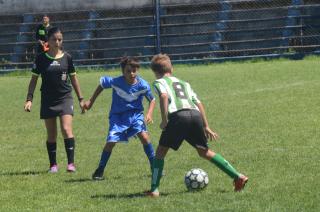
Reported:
(42, 34)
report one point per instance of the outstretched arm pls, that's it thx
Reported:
(76, 85)
(88, 104)
(31, 88)
(209, 133)
(149, 114)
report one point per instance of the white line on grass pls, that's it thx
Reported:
(280, 87)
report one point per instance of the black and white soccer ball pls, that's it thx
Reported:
(196, 179)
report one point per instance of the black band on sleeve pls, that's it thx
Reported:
(30, 97)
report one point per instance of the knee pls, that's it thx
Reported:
(144, 138)
(109, 146)
(67, 131)
(202, 154)
(161, 152)
(205, 153)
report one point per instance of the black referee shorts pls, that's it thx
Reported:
(184, 125)
(52, 107)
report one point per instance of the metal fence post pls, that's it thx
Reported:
(221, 25)
(88, 34)
(157, 19)
(289, 32)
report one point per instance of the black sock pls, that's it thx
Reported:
(52, 148)
(69, 146)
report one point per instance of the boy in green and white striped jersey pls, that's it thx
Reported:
(183, 118)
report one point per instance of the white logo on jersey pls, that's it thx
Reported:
(129, 97)
(64, 76)
(55, 63)
(34, 66)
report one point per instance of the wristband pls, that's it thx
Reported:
(29, 97)
(80, 99)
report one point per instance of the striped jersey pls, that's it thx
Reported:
(180, 94)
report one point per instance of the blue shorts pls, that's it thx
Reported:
(125, 125)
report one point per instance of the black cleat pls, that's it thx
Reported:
(98, 174)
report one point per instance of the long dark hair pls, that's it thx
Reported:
(53, 30)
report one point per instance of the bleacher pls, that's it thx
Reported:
(240, 28)
(202, 30)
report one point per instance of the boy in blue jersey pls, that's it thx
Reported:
(126, 117)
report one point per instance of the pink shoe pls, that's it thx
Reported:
(53, 169)
(71, 167)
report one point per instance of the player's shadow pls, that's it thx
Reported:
(23, 173)
(222, 190)
(80, 180)
(122, 196)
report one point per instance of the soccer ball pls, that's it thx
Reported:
(196, 179)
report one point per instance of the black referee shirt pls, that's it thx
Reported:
(42, 32)
(55, 74)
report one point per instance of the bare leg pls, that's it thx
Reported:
(66, 126)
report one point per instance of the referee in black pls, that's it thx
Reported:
(42, 34)
(57, 71)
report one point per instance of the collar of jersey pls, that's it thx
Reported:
(52, 58)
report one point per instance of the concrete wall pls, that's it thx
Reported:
(42, 6)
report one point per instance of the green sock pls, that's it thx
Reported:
(156, 173)
(225, 166)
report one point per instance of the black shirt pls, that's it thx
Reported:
(42, 32)
(55, 74)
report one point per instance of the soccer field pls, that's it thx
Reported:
(267, 116)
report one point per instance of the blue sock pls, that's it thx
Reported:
(148, 149)
(104, 159)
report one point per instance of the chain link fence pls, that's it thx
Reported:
(224, 29)
(186, 30)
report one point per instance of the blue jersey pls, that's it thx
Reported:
(126, 97)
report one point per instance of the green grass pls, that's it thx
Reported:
(267, 116)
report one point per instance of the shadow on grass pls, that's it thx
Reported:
(81, 180)
(23, 173)
(223, 190)
(122, 196)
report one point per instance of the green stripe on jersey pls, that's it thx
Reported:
(157, 87)
(179, 92)
(190, 97)
(52, 58)
(174, 99)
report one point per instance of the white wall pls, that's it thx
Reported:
(42, 6)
